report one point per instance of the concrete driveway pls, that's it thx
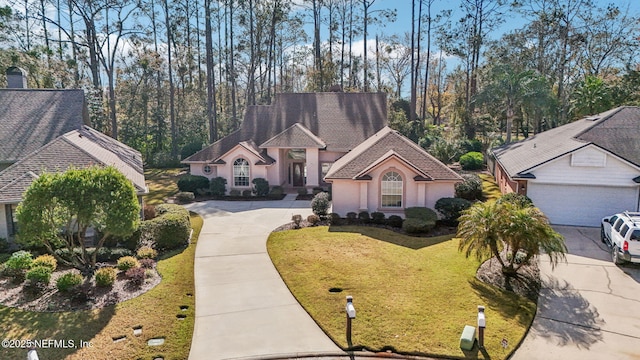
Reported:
(588, 308)
(243, 308)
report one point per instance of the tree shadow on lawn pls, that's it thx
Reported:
(507, 303)
(415, 243)
(63, 327)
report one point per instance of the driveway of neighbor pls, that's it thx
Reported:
(243, 308)
(588, 308)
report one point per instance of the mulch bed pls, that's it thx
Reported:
(526, 283)
(51, 300)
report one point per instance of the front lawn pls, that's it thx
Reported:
(162, 184)
(412, 295)
(155, 311)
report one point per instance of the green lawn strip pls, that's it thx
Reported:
(412, 301)
(155, 311)
(162, 183)
(490, 189)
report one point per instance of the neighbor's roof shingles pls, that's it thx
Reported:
(616, 130)
(31, 118)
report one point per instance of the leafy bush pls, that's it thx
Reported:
(185, 197)
(335, 219)
(260, 186)
(218, 186)
(136, 276)
(473, 145)
(377, 217)
(317, 190)
(103, 254)
(320, 204)
(351, 217)
(127, 262)
(117, 253)
(313, 219)
(18, 264)
(417, 226)
(519, 200)
(147, 263)
(247, 193)
(446, 151)
(105, 276)
(472, 161)
(364, 217)
(149, 212)
(46, 261)
(39, 276)
(470, 189)
(395, 221)
(190, 149)
(297, 219)
(67, 282)
(4, 246)
(146, 252)
(234, 192)
(303, 191)
(451, 208)
(171, 229)
(421, 213)
(277, 191)
(191, 183)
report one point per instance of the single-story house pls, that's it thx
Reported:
(47, 130)
(313, 139)
(579, 172)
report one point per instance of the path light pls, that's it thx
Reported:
(481, 325)
(351, 314)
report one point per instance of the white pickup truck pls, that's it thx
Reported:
(622, 233)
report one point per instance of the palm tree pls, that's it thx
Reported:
(487, 228)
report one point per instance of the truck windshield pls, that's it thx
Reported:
(635, 235)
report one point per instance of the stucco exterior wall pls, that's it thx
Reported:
(313, 167)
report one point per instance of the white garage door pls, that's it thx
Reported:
(581, 205)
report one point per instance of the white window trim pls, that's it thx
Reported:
(248, 173)
(382, 189)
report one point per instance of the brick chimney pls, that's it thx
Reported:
(16, 78)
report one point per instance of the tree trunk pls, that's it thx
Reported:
(211, 84)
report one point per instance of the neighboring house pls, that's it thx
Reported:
(311, 139)
(579, 172)
(45, 130)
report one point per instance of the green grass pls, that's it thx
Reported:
(412, 295)
(155, 311)
(490, 189)
(162, 184)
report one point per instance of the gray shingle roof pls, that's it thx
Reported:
(78, 148)
(295, 136)
(340, 120)
(31, 118)
(616, 130)
(382, 145)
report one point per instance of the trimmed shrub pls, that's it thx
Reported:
(364, 217)
(297, 219)
(105, 276)
(171, 229)
(320, 204)
(149, 212)
(303, 191)
(417, 226)
(218, 186)
(313, 219)
(317, 190)
(377, 217)
(335, 219)
(421, 213)
(136, 276)
(234, 192)
(277, 191)
(118, 253)
(452, 208)
(17, 265)
(470, 188)
(69, 281)
(395, 221)
(185, 197)
(247, 193)
(39, 276)
(191, 183)
(519, 200)
(473, 145)
(146, 252)
(103, 254)
(472, 161)
(260, 186)
(351, 217)
(46, 261)
(147, 263)
(127, 262)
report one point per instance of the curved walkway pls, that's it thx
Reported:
(243, 308)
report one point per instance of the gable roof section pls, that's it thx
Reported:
(79, 148)
(381, 146)
(340, 120)
(615, 131)
(31, 118)
(295, 136)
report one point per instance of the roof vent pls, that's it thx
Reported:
(16, 78)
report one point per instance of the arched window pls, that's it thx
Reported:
(207, 169)
(391, 192)
(241, 172)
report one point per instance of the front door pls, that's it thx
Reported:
(298, 173)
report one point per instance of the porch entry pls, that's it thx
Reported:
(298, 173)
(297, 167)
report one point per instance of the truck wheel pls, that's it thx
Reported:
(615, 255)
(602, 237)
